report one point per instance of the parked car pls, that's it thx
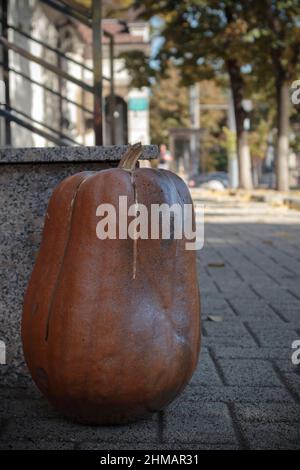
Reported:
(213, 180)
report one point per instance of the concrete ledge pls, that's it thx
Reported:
(71, 154)
(27, 178)
(277, 199)
(274, 199)
(292, 203)
(270, 196)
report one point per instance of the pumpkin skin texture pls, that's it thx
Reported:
(103, 345)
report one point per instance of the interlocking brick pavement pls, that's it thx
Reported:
(245, 392)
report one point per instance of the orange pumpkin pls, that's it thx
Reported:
(111, 327)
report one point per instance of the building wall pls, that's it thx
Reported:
(42, 105)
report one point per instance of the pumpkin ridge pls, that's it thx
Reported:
(135, 198)
(179, 195)
(63, 256)
(128, 163)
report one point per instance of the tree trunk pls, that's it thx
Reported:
(244, 160)
(283, 72)
(243, 150)
(282, 150)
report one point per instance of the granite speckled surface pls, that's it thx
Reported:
(26, 185)
(71, 154)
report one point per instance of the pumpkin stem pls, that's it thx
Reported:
(131, 156)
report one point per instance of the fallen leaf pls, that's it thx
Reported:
(215, 318)
(216, 265)
(267, 242)
(286, 235)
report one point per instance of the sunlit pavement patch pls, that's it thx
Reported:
(2, 353)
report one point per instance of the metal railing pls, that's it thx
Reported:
(11, 114)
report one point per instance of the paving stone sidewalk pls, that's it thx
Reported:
(245, 393)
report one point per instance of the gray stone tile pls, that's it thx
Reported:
(251, 372)
(206, 373)
(253, 353)
(272, 436)
(23, 429)
(236, 394)
(274, 335)
(36, 445)
(254, 309)
(212, 306)
(293, 382)
(269, 412)
(286, 365)
(155, 447)
(226, 328)
(291, 315)
(228, 341)
(26, 408)
(208, 423)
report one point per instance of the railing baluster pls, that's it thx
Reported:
(21, 122)
(45, 64)
(92, 21)
(5, 56)
(50, 90)
(97, 64)
(43, 124)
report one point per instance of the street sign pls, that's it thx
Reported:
(138, 104)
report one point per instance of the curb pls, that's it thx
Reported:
(292, 203)
(272, 198)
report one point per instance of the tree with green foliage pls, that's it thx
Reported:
(169, 106)
(275, 35)
(204, 39)
(214, 156)
(256, 42)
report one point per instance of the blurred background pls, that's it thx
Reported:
(215, 84)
